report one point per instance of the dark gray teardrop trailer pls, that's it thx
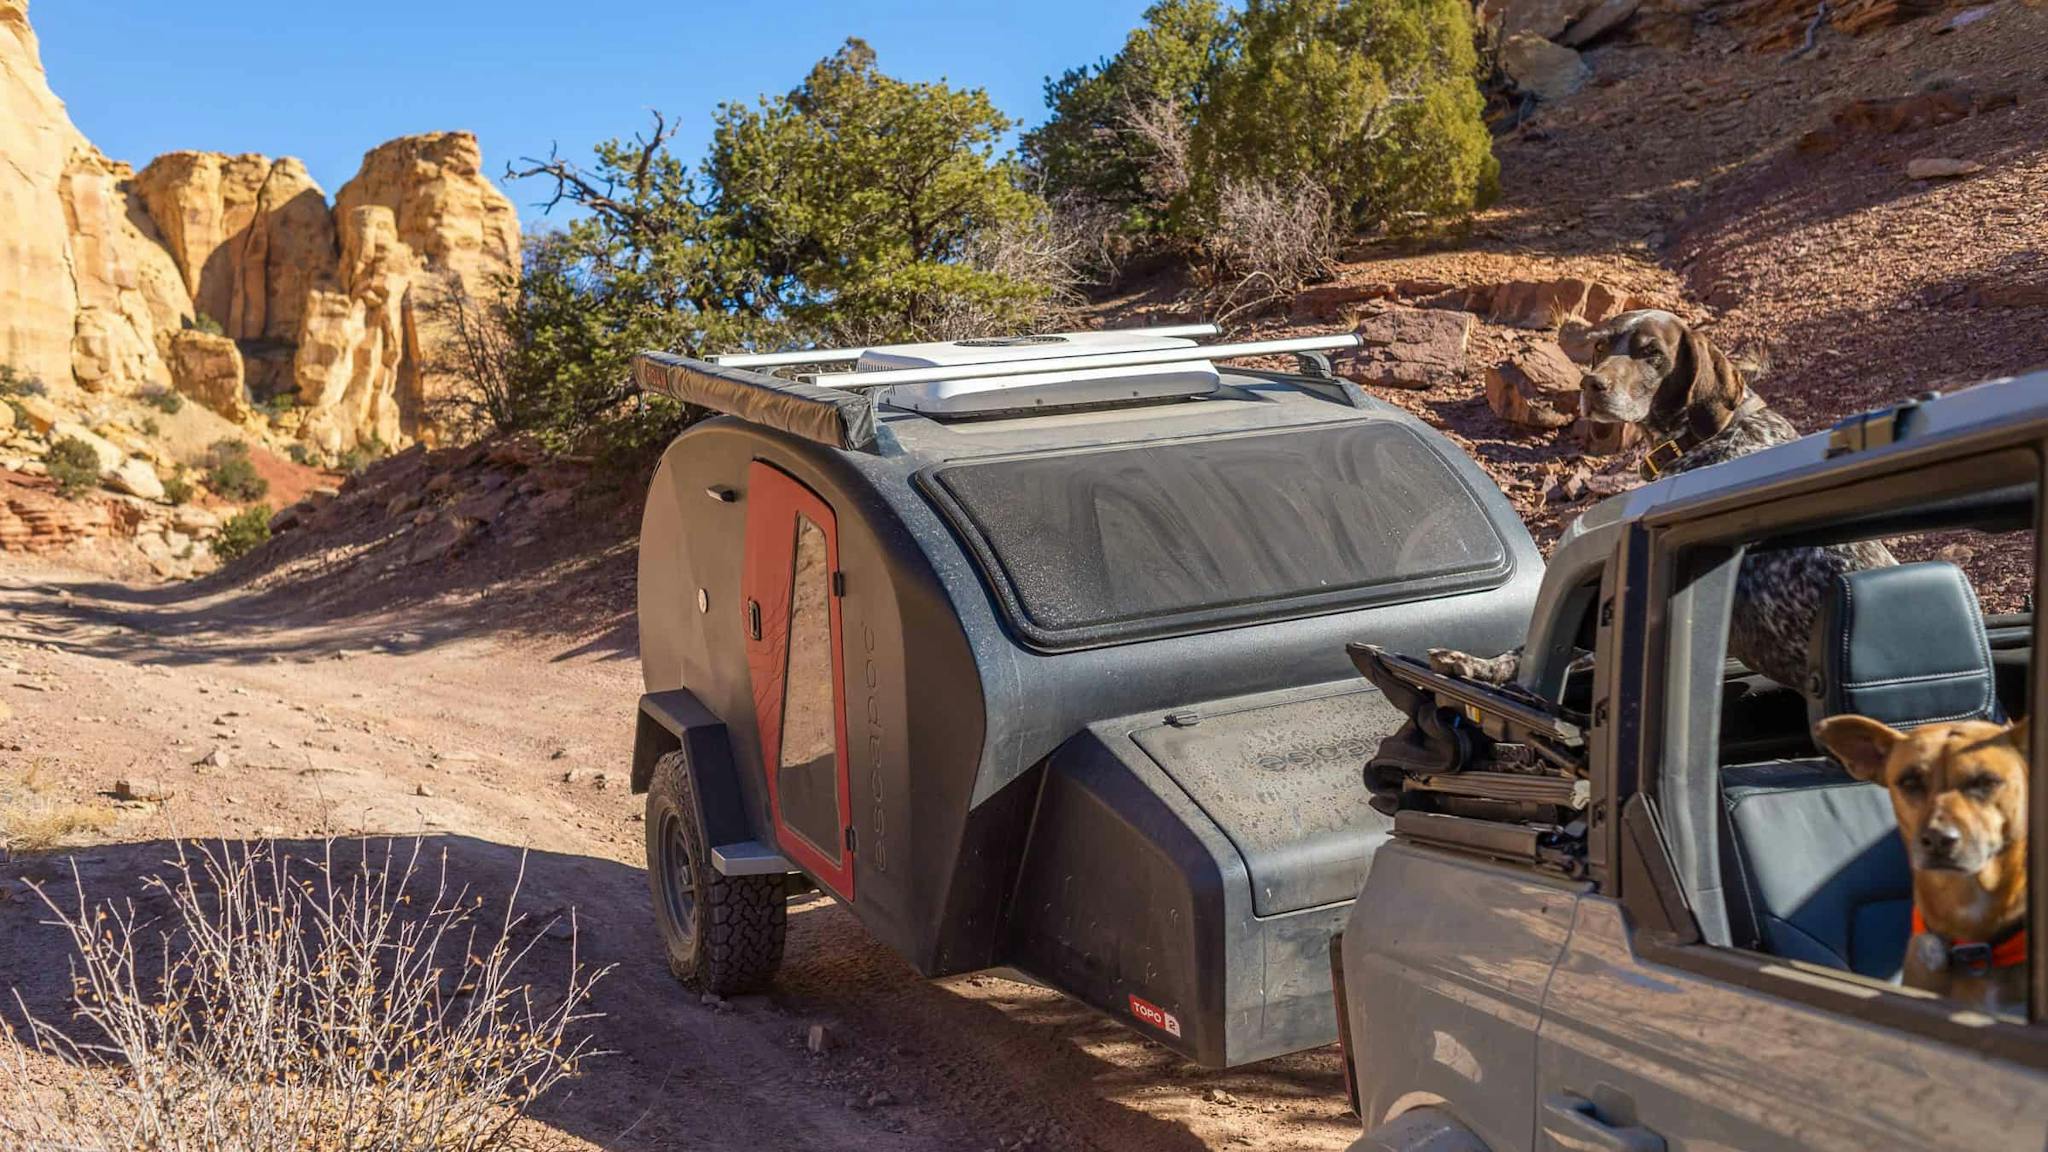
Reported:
(1031, 653)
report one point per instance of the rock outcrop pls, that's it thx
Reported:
(250, 235)
(105, 273)
(352, 371)
(459, 234)
(129, 296)
(38, 305)
(208, 369)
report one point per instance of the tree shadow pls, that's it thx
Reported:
(912, 1064)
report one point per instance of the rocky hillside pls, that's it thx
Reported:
(315, 332)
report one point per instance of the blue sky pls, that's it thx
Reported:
(326, 81)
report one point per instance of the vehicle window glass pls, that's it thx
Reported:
(1141, 540)
(1872, 782)
(808, 773)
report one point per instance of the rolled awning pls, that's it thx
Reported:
(823, 415)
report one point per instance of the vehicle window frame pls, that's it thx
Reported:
(1678, 562)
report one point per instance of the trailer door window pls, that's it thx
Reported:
(807, 774)
(1181, 536)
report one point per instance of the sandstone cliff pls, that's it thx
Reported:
(37, 299)
(332, 314)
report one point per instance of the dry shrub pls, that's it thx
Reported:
(286, 1005)
(1267, 242)
(32, 820)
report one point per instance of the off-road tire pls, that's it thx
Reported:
(722, 934)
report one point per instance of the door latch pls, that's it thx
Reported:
(753, 619)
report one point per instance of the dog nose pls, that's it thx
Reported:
(1939, 839)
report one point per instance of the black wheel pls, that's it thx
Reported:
(723, 934)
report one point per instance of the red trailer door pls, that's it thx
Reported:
(793, 653)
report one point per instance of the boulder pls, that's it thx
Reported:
(1331, 301)
(1411, 348)
(208, 369)
(1542, 69)
(1941, 168)
(1603, 18)
(35, 519)
(42, 413)
(110, 456)
(1895, 115)
(1548, 304)
(1546, 19)
(1537, 387)
(135, 477)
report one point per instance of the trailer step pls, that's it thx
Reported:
(749, 858)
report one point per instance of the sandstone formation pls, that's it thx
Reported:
(129, 295)
(461, 236)
(105, 273)
(37, 301)
(208, 369)
(352, 370)
(251, 236)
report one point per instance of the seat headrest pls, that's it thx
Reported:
(1904, 645)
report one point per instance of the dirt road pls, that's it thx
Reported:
(256, 716)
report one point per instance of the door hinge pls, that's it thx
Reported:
(849, 839)
(838, 583)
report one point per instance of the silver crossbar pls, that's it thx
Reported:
(850, 381)
(846, 355)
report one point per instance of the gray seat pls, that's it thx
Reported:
(1814, 864)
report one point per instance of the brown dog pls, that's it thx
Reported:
(1653, 370)
(1960, 793)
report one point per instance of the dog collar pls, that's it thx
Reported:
(2009, 950)
(1662, 456)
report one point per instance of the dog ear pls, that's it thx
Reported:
(1713, 385)
(1860, 743)
(2021, 735)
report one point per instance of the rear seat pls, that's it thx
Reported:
(1814, 866)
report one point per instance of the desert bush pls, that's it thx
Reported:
(360, 1002)
(854, 206)
(1116, 138)
(177, 488)
(16, 383)
(363, 454)
(207, 324)
(35, 818)
(243, 533)
(231, 473)
(165, 400)
(301, 453)
(1268, 241)
(74, 466)
(1378, 102)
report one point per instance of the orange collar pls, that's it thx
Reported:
(2009, 951)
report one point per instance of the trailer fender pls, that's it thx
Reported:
(676, 721)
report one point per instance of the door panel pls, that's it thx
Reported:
(1631, 1053)
(794, 657)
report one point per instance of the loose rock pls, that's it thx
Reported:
(1941, 168)
(1537, 388)
(1411, 348)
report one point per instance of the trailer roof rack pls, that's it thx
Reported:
(963, 378)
